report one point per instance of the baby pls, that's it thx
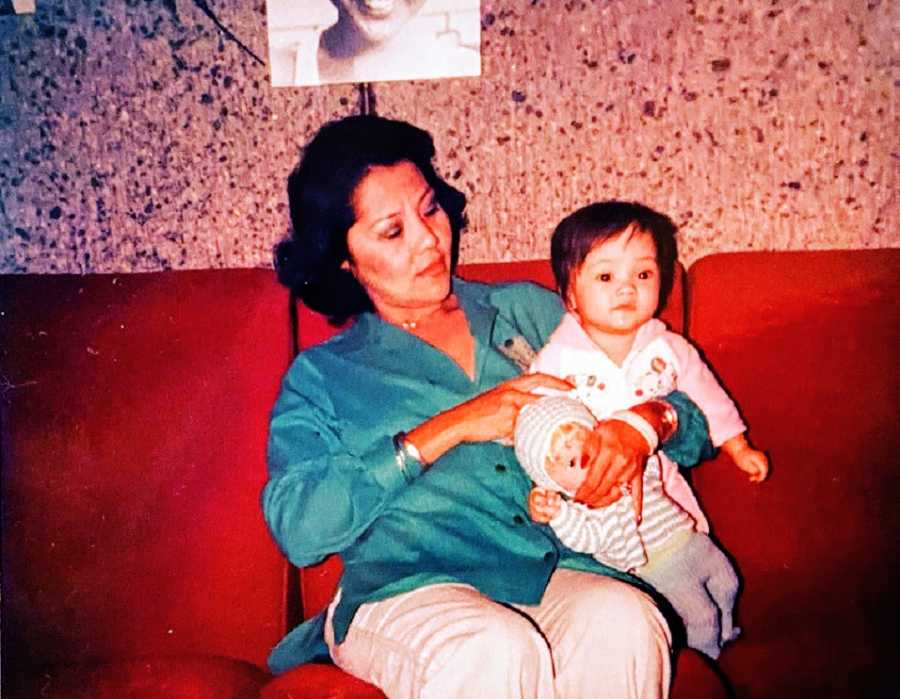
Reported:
(614, 264)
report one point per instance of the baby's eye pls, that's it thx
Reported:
(572, 463)
(645, 274)
(604, 277)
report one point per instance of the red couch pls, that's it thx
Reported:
(135, 561)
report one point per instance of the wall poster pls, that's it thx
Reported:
(315, 42)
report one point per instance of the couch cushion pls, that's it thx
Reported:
(807, 342)
(191, 677)
(134, 432)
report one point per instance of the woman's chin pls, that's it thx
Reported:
(439, 289)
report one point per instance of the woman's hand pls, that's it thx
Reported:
(489, 416)
(492, 415)
(615, 455)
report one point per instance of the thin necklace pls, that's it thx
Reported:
(451, 303)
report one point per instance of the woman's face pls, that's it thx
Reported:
(378, 20)
(400, 243)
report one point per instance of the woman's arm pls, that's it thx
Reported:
(619, 450)
(489, 416)
(322, 495)
(690, 444)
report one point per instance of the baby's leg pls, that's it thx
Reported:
(723, 587)
(683, 578)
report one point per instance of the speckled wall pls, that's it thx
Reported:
(135, 136)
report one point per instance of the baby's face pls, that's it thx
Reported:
(616, 288)
(563, 462)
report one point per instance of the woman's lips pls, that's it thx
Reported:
(433, 268)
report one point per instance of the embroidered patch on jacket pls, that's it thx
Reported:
(653, 372)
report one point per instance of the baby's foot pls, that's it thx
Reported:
(733, 636)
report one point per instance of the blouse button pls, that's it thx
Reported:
(500, 468)
(549, 556)
(519, 519)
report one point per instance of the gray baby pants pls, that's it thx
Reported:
(701, 584)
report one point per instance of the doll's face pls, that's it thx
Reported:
(563, 463)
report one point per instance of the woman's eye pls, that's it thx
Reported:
(392, 232)
(432, 208)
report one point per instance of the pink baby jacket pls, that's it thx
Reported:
(659, 362)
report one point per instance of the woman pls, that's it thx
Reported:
(387, 445)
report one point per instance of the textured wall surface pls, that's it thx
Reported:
(135, 136)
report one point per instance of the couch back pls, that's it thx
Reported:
(134, 419)
(808, 343)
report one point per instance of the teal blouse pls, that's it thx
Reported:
(334, 484)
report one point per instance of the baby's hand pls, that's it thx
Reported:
(754, 463)
(543, 504)
(751, 461)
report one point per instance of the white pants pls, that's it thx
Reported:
(589, 637)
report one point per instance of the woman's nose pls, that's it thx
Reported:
(427, 238)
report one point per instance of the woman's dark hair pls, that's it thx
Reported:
(320, 191)
(579, 232)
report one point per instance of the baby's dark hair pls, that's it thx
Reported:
(320, 191)
(580, 231)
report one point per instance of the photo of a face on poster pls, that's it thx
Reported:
(315, 42)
